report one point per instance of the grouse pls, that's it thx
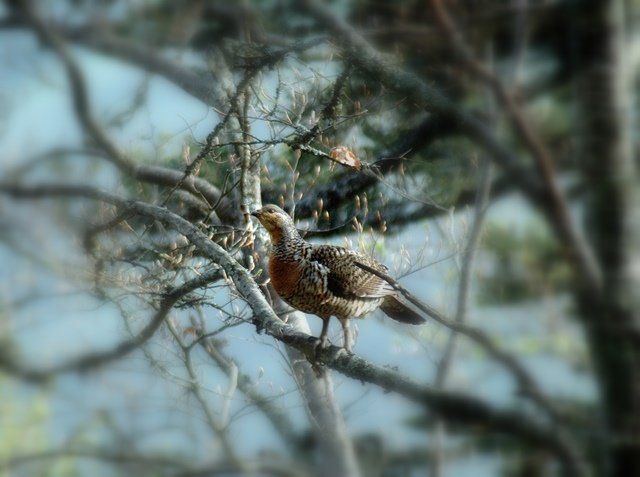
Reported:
(325, 280)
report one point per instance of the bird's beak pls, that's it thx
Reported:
(256, 214)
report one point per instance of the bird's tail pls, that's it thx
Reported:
(397, 310)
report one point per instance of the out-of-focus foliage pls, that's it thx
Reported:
(525, 264)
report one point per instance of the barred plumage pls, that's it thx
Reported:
(324, 279)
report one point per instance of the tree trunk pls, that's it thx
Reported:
(612, 315)
(335, 450)
(335, 453)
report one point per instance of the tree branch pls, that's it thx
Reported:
(555, 203)
(13, 366)
(454, 407)
(78, 88)
(462, 306)
(183, 468)
(525, 381)
(276, 415)
(218, 427)
(89, 361)
(352, 183)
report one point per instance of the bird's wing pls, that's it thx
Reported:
(345, 278)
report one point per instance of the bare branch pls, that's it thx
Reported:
(12, 365)
(78, 89)
(468, 256)
(526, 382)
(462, 306)
(215, 424)
(181, 467)
(154, 174)
(202, 84)
(91, 360)
(455, 407)
(555, 202)
(280, 420)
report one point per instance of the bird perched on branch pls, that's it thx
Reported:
(325, 280)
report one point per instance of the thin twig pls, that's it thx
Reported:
(94, 360)
(216, 424)
(464, 286)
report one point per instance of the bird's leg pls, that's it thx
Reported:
(324, 332)
(322, 343)
(347, 336)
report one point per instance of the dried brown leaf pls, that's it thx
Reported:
(345, 156)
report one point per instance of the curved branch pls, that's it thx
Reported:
(200, 188)
(93, 360)
(352, 183)
(198, 83)
(455, 407)
(555, 205)
(153, 174)
(78, 88)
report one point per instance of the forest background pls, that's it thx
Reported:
(495, 172)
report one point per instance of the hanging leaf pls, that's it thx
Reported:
(345, 156)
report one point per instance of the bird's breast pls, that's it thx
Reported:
(284, 276)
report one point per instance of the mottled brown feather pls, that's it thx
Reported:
(324, 279)
(345, 277)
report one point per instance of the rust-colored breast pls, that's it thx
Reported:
(284, 276)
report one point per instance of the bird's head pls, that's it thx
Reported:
(277, 222)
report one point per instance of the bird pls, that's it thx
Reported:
(326, 280)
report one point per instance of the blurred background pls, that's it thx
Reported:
(494, 171)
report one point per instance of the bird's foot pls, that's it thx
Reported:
(320, 346)
(315, 358)
(344, 352)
